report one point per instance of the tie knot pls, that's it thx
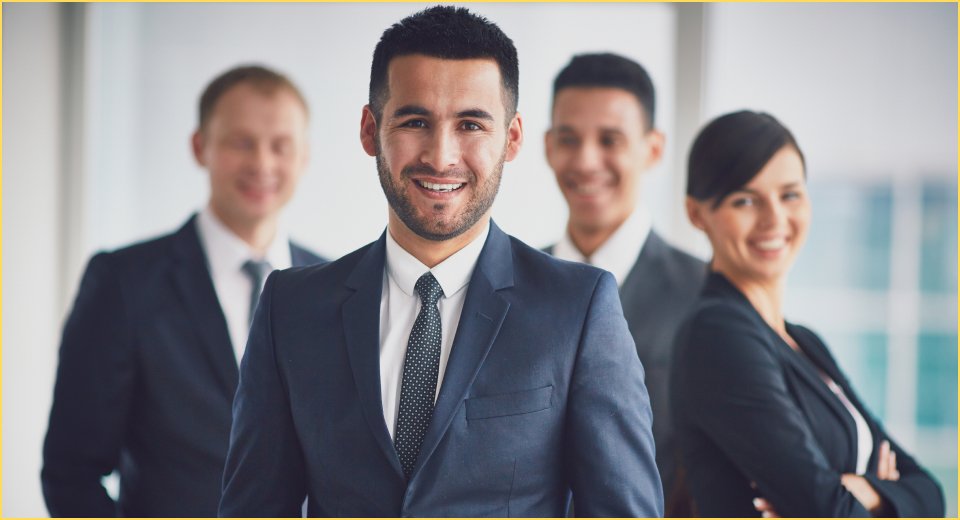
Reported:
(429, 289)
(255, 269)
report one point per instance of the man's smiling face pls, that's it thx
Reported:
(441, 143)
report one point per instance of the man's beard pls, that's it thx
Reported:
(438, 228)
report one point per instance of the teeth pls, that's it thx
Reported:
(587, 190)
(440, 187)
(771, 245)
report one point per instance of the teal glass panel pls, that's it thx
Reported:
(863, 358)
(937, 380)
(849, 240)
(938, 256)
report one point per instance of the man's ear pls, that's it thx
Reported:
(514, 137)
(306, 154)
(368, 131)
(196, 145)
(694, 209)
(655, 141)
(548, 143)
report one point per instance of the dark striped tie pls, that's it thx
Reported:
(255, 270)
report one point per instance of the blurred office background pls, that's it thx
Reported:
(100, 101)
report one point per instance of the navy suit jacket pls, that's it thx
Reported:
(145, 385)
(656, 295)
(751, 409)
(543, 393)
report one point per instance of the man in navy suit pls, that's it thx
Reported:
(149, 356)
(601, 142)
(446, 369)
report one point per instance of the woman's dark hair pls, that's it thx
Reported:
(731, 150)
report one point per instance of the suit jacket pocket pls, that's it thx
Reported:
(515, 403)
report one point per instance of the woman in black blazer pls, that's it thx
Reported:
(766, 421)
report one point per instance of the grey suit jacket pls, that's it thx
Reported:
(542, 395)
(656, 295)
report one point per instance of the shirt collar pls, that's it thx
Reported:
(226, 252)
(619, 253)
(453, 274)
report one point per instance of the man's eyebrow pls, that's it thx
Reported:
(475, 113)
(410, 110)
(612, 130)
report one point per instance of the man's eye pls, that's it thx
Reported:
(284, 147)
(470, 125)
(240, 143)
(414, 123)
(608, 141)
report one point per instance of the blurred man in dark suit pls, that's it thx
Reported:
(149, 356)
(601, 142)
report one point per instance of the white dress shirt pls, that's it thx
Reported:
(400, 304)
(226, 253)
(619, 253)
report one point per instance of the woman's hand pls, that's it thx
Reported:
(858, 486)
(861, 489)
(887, 465)
(765, 508)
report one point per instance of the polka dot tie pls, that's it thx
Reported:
(420, 369)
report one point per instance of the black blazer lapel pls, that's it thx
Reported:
(804, 372)
(819, 357)
(301, 257)
(644, 284)
(361, 327)
(192, 280)
(483, 313)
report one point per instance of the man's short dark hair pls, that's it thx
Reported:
(258, 77)
(610, 70)
(449, 33)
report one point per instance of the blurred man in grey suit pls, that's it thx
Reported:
(601, 141)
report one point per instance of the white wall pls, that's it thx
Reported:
(32, 244)
(865, 87)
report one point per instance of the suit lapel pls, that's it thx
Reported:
(192, 280)
(808, 372)
(483, 313)
(361, 327)
(641, 289)
(819, 358)
(301, 257)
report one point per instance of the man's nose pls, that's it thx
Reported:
(587, 158)
(442, 150)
